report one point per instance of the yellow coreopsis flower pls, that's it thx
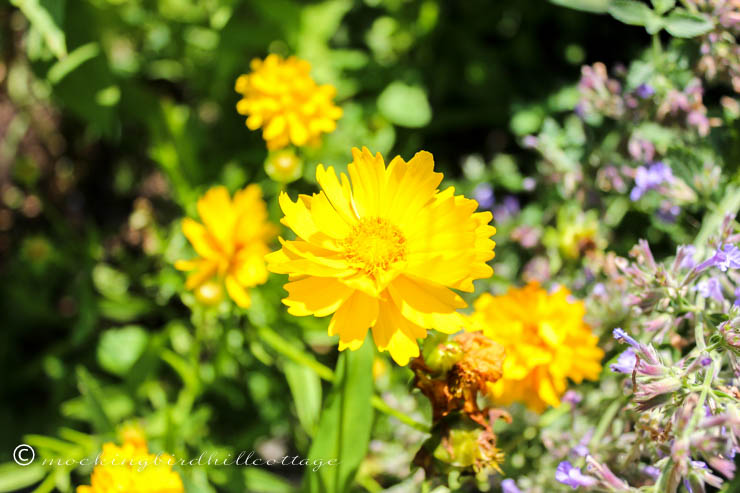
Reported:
(546, 342)
(131, 468)
(382, 252)
(281, 97)
(231, 244)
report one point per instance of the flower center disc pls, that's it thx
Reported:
(374, 244)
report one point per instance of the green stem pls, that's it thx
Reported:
(279, 344)
(699, 409)
(383, 407)
(606, 420)
(657, 50)
(288, 350)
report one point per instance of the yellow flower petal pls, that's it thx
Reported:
(319, 296)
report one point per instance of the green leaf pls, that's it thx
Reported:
(119, 349)
(593, 6)
(631, 12)
(46, 16)
(305, 385)
(93, 397)
(404, 105)
(14, 477)
(260, 481)
(683, 24)
(66, 65)
(663, 6)
(344, 429)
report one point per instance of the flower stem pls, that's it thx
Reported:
(285, 348)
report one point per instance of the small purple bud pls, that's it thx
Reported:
(622, 336)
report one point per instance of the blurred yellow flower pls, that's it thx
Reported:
(280, 96)
(383, 252)
(131, 468)
(231, 244)
(546, 342)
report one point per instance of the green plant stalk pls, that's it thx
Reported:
(285, 348)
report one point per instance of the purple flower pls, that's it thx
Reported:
(650, 178)
(572, 476)
(737, 296)
(686, 254)
(668, 213)
(724, 259)
(572, 397)
(652, 471)
(710, 288)
(644, 91)
(626, 362)
(622, 336)
(509, 486)
(530, 142)
(483, 194)
(508, 208)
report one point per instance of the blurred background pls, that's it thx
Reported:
(115, 115)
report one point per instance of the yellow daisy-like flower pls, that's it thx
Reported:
(132, 469)
(231, 244)
(382, 252)
(546, 342)
(281, 97)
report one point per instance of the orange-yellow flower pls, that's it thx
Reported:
(231, 244)
(280, 96)
(131, 468)
(546, 342)
(381, 252)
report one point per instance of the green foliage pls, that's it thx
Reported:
(346, 422)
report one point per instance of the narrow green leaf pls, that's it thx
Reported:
(593, 6)
(46, 16)
(93, 397)
(631, 12)
(14, 477)
(261, 481)
(305, 385)
(344, 429)
(683, 24)
(69, 63)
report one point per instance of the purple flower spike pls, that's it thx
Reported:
(509, 486)
(572, 476)
(625, 363)
(622, 336)
(650, 178)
